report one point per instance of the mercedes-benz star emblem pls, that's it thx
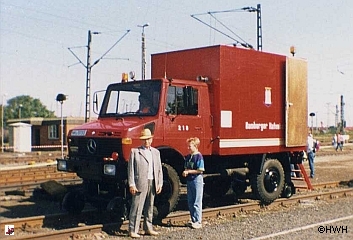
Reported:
(91, 146)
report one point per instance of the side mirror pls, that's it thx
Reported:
(95, 103)
(97, 100)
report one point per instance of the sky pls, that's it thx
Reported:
(35, 37)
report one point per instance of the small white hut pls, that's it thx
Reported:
(20, 137)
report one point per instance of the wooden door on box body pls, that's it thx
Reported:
(296, 102)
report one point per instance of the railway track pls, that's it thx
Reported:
(61, 234)
(10, 158)
(38, 176)
(31, 176)
(24, 179)
(233, 209)
(333, 184)
(70, 226)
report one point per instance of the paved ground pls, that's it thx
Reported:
(333, 166)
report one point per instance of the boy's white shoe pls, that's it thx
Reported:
(196, 225)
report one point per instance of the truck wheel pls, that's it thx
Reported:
(217, 186)
(268, 185)
(73, 202)
(166, 201)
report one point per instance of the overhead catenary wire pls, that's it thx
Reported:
(88, 67)
(228, 29)
(241, 41)
(219, 31)
(127, 31)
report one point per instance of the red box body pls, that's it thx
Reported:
(247, 96)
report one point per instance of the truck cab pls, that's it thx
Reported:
(98, 151)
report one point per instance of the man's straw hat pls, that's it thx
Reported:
(146, 134)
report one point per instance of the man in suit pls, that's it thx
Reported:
(145, 178)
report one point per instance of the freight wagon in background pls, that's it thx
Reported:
(248, 108)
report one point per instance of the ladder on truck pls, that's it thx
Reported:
(300, 175)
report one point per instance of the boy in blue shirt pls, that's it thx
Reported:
(194, 167)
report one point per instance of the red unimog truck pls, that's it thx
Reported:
(248, 108)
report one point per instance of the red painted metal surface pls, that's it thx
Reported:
(246, 97)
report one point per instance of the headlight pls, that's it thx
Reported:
(61, 165)
(109, 169)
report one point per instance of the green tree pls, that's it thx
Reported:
(25, 107)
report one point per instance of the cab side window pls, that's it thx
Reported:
(182, 100)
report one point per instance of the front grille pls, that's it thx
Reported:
(103, 147)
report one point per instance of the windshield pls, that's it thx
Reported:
(132, 98)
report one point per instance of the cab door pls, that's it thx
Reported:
(182, 118)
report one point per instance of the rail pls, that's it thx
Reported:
(26, 225)
(11, 148)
